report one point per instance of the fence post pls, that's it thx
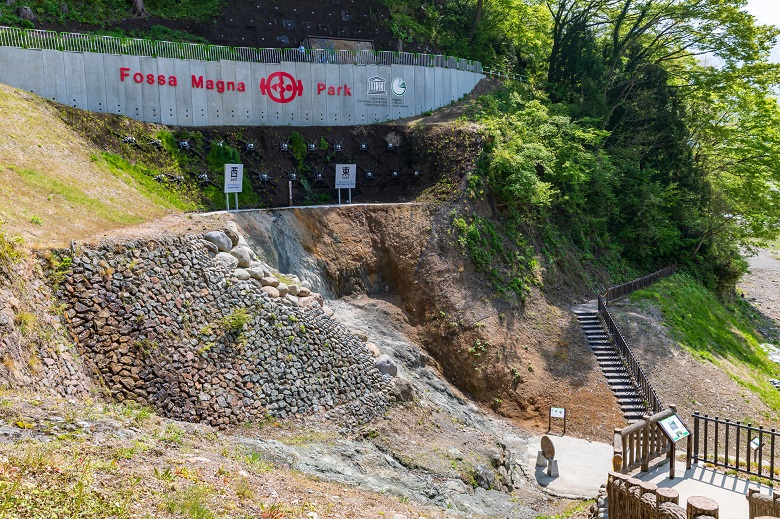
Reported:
(645, 443)
(696, 435)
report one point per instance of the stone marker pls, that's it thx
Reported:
(547, 448)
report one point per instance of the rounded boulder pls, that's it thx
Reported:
(385, 365)
(220, 239)
(243, 255)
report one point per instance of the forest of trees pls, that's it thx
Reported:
(645, 133)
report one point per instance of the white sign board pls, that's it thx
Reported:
(755, 444)
(557, 412)
(234, 178)
(346, 176)
(674, 428)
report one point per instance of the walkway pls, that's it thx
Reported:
(583, 467)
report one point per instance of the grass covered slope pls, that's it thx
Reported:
(699, 352)
(57, 186)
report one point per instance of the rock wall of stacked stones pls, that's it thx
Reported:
(35, 350)
(168, 324)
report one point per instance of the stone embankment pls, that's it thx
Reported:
(35, 350)
(203, 332)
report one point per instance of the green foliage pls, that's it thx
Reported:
(221, 154)
(234, 322)
(715, 331)
(298, 147)
(191, 503)
(103, 13)
(167, 194)
(9, 252)
(503, 255)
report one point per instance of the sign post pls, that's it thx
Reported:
(346, 178)
(675, 431)
(234, 179)
(557, 412)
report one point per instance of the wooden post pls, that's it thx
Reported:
(672, 457)
(645, 456)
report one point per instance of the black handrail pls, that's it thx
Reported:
(643, 386)
(635, 371)
(619, 291)
(735, 445)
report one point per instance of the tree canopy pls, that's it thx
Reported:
(648, 131)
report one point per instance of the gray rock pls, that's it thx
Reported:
(293, 289)
(226, 259)
(26, 13)
(283, 289)
(292, 299)
(269, 281)
(484, 477)
(210, 246)
(385, 365)
(243, 255)
(220, 239)
(233, 235)
(241, 274)
(403, 391)
(305, 284)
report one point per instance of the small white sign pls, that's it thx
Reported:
(346, 176)
(557, 412)
(234, 178)
(755, 444)
(674, 428)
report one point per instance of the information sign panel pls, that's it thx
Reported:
(234, 178)
(346, 176)
(674, 428)
(557, 412)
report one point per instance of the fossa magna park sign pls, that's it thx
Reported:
(188, 92)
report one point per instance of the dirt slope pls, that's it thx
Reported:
(53, 187)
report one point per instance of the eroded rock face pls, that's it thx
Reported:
(168, 326)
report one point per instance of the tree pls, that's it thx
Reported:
(735, 135)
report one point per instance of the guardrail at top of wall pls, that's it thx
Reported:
(75, 42)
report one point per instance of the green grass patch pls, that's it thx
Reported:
(715, 331)
(103, 12)
(78, 199)
(142, 177)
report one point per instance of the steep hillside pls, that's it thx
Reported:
(56, 185)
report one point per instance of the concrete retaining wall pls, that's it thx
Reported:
(228, 93)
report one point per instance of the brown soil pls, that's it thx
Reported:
(677, 376)
(693, 385)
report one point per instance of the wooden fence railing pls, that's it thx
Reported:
(641, 442)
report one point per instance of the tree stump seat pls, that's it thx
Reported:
(669, 510)
(702, 506)
(668, 495)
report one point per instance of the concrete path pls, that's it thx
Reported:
(728, 491)
(583, 467)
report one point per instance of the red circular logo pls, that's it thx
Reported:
(281, 87)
